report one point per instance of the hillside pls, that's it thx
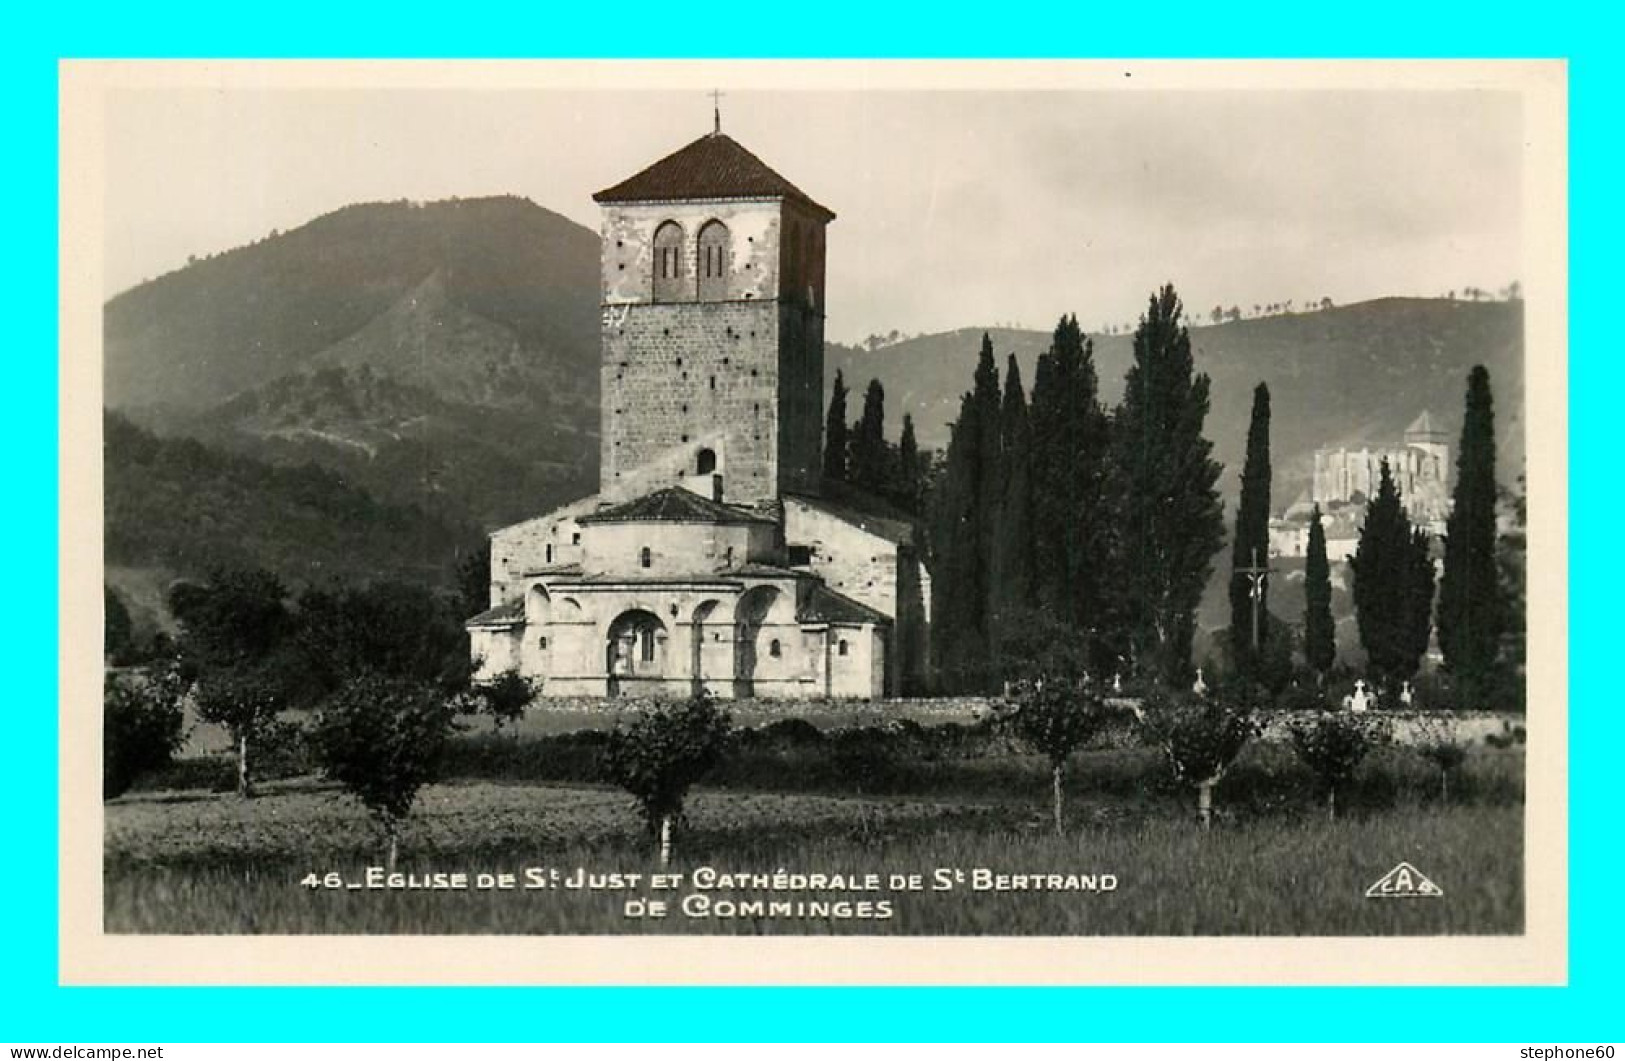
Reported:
(1350, 375)
(442, 356)
(179, 506)
(519, 278)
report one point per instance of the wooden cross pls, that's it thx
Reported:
(1256, 577)
(716, 109)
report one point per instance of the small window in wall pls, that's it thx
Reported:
(800, 555)
(668, 263)
(645, 558)
(775, 649)
(646, 643)
(575, 539)
(550, 554)
(842, 648)
(541, 642)
(713, 261)
(706, 462)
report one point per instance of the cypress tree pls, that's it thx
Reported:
(1013, 583)
(1251, 543)
(869, 453)
(989, 401)
(910, 474)
(1471, 605)
(1167, 516)
(1319, 631)
(835, 433)
(1069, 455)
(1393, 586)
(958, 595)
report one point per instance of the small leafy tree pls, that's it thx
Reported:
(237, 637)
(1333, 744)
(247, 704)
(1056, 717)
(142, 720)
(1200, 737)
(506, 696)
(1438, 740)
(381, 738)
(662, 753)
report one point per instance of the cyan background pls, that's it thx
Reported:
(33, 1008)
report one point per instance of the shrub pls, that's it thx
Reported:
(1437, 739)
(1056, 717)
(1333, 744)
(795, 732)
(659, 755)
(142, 722)
(1199, 739)
(506, 696)
(1297, 697)
(382, 738)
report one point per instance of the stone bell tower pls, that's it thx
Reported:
(713, 328)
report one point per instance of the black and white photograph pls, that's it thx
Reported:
(1095, 512)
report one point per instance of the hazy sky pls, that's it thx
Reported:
(954, 208)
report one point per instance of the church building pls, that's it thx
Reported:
(712, 558)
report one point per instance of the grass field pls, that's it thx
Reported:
(198, 862)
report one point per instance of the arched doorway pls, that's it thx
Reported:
(535, 651)
(635, 651)
(749, 618)
(702, 662)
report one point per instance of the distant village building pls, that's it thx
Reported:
(711, 559)
(1345, 480)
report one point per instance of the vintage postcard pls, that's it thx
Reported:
(816, 522)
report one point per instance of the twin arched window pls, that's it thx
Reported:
(713, 260)
(670, 263)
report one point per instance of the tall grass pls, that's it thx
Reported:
(218, 865)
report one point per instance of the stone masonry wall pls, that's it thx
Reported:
(675, 374)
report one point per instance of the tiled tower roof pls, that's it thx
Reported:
(673, 505)
(715, 166)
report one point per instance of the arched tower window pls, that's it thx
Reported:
(713, 259)
(645, 558)
(706, 463)
(669, 262)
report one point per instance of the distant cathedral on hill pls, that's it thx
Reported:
(1346, 480)
(711, 559)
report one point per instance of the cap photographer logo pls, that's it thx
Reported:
(1404, 881)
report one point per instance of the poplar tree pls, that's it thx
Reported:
(1013, 582)
(835, 433)
(1319, 631)
(1167, 517)
(1471, 605)
(1068, 472)
(1393, 586)
(1250, 545)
